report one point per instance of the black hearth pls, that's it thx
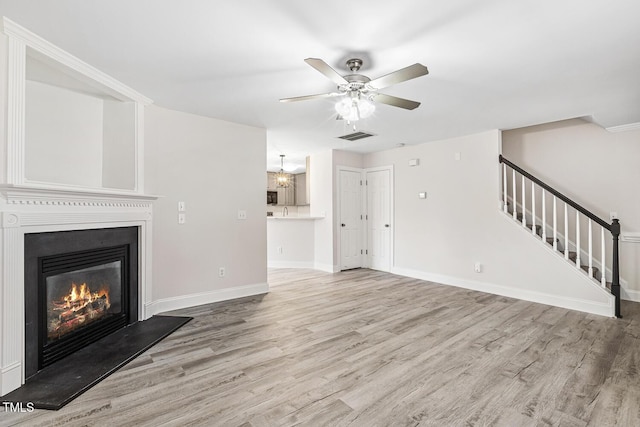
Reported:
(80, 286)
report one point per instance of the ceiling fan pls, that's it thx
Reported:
(358, 91)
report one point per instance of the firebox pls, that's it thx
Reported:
(80, 286)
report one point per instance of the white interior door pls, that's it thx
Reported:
(351, 247)
(379, 219)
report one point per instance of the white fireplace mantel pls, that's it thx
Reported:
(31, 206)
(26, 210)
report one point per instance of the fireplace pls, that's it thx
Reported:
(80, 286)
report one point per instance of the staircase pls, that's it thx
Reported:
(586, 241)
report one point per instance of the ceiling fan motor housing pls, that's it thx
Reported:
(354, 64)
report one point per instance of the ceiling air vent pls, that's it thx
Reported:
(356, 136)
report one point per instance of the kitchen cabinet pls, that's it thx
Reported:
(301, 189)
(271, 181)
(286, 195)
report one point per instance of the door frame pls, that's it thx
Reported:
(364, 238)
(337, 228)
(391, 210)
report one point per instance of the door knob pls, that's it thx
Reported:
(344, 225)
(386, 225)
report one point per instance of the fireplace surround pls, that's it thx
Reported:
(27, 211)
(80, 286)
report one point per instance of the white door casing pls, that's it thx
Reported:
(350, 219)
(379, 218)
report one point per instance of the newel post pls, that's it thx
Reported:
(615, 271)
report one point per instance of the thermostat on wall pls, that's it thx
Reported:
(414, 162)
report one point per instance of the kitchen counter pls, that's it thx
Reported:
(295, 217)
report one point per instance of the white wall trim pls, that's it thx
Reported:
(81, 68)
(201, 298)
(628, 294)
(537, 297)
(16, 111)
(22, 44)
(9, 375)
(290, 264)
(630, 237)
(326, 267)
(624, 128)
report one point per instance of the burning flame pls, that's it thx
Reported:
(83, 296)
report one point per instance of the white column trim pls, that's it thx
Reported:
(16, 61)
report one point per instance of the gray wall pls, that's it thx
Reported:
(217, 168)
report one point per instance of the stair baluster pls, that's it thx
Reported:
(578, 239)
(544, 216)
(524, 204)
(590, 250)
(515, 200)
(566, 231)
(603, 279)
(505, 207)
(533, 208)
(555, 224)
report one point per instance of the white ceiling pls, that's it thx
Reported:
(493, 63)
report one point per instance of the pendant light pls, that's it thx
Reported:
(282, 179)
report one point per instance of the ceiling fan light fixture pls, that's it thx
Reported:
(365, 108)
(354, 108)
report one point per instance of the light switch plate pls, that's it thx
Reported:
(182, 206)
(182, 218)
(422, 195)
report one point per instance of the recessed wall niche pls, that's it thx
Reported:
(70, 126)
(76, 133)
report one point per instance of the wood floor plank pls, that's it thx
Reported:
(368, 348)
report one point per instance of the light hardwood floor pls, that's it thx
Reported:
(366, 348)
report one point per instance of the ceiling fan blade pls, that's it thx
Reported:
(304, 98)
(404, 74)
(325, 69)
(395, 101)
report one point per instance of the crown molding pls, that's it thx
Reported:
(106, 83)
(624, 128)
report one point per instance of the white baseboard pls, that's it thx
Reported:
(290, 264)
(185, 301)
(10, 378)
(523, 294)
(629, 295)
(326, 267)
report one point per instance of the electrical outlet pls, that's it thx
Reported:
(477, 267)
(280, 249)
(222, 272)
(242, 214)
(182, 218)
(613, 215)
